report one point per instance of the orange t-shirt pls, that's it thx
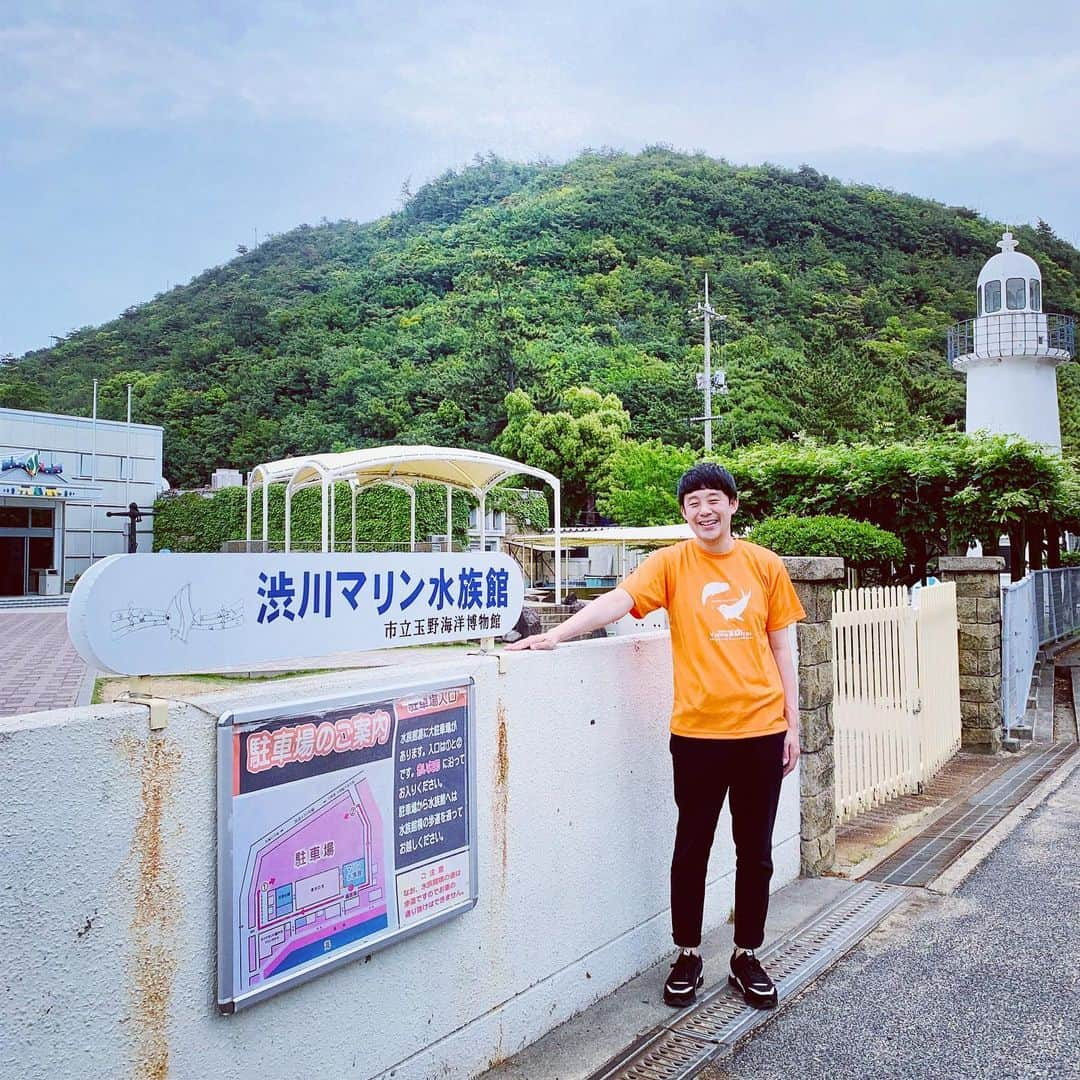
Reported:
(720, 607)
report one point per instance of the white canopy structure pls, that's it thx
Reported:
(623, 537)
(397, 466)
(630, 535)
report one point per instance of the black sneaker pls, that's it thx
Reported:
(749, 977)
(683, 982)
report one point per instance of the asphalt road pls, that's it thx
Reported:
(983, 983)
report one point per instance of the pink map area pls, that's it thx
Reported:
(315, 883)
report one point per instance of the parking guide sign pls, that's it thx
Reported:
(344, 824)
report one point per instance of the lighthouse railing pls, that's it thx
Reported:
(1013, 333)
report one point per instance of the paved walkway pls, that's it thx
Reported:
(982, 983)
(41, 668)
(868, 839)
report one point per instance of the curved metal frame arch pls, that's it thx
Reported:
(327, 477)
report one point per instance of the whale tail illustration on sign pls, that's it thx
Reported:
(180, 617)
(714, 589)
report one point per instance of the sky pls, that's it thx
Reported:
(141, 142)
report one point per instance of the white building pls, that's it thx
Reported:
(1011, 351)
(59, 477)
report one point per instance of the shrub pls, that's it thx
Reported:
(197, 521)
(859, 543)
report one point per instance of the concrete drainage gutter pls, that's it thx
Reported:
(680, 1049)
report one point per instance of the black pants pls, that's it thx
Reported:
(705, 771)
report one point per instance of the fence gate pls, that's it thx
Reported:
(896, 692)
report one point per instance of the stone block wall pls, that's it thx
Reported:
(815, 580)
(978, 615)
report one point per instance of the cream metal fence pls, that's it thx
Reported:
(938, 676)
(896, 692)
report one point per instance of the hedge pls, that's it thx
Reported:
(859, 543)
(196, 521)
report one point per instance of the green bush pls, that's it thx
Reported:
(203, 522)
(859, 543)
(936, 494)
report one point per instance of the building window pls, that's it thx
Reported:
(1036, 294)
(1016, 294)
(108, 467)
(14, 517)
(41, 518)
(978, 294)
(993, 297)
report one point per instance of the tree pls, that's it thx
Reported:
(640, 482)
(574, 444)
(542, 277)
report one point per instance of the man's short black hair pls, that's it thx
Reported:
(707, 476)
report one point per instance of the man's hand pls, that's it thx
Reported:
(791, 750)
(537, 641)
(606, 608)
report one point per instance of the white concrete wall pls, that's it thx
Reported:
(108, 890)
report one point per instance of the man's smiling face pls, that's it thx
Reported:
(708, 513)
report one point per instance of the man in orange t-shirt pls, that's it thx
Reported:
(735, 720)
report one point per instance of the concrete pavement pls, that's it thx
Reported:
(975, 975)
(581, 1045)
(981, 983)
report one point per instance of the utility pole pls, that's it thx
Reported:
(706, 381)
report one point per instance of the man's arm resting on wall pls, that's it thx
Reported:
(606, 608)
(780, 643)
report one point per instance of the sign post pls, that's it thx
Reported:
(344, 823)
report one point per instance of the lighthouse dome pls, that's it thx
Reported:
(1009, 281)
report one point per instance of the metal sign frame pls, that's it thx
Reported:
(231, 995)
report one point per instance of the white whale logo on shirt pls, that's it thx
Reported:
(729, 611)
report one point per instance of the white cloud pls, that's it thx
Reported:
(123, 78)
(527, 85)
(914, 103)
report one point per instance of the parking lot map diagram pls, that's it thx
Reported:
(341, 829)
(316, 879)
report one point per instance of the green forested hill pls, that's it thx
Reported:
(413, 328)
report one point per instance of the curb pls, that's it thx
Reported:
(85, 693)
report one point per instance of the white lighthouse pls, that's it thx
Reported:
(1011, 351)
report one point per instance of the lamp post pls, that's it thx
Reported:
(134, 516)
